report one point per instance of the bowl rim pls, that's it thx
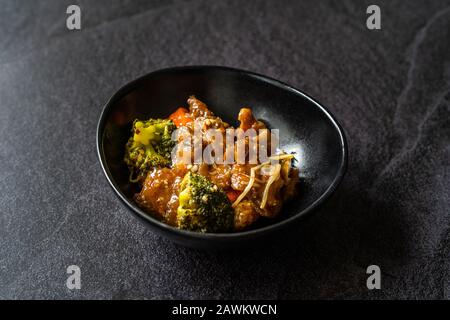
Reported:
(127, 88)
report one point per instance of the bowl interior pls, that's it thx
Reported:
(304, 127)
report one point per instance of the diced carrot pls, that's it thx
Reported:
(180, 117)
(233, 195)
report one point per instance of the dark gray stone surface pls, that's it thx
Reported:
(389, 88)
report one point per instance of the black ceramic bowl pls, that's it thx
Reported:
(305, 127)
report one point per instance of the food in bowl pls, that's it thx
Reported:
(196, 172)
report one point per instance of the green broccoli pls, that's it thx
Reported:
(149, 146)
(203, 207)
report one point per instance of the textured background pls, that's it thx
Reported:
(390, 89)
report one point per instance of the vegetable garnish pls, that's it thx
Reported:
(202, 196)
(233, 195)
(181, 117)
(203, 206)
(274, 174)
(149, 146)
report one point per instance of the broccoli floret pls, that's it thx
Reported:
(149, 146)
(203, 207)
